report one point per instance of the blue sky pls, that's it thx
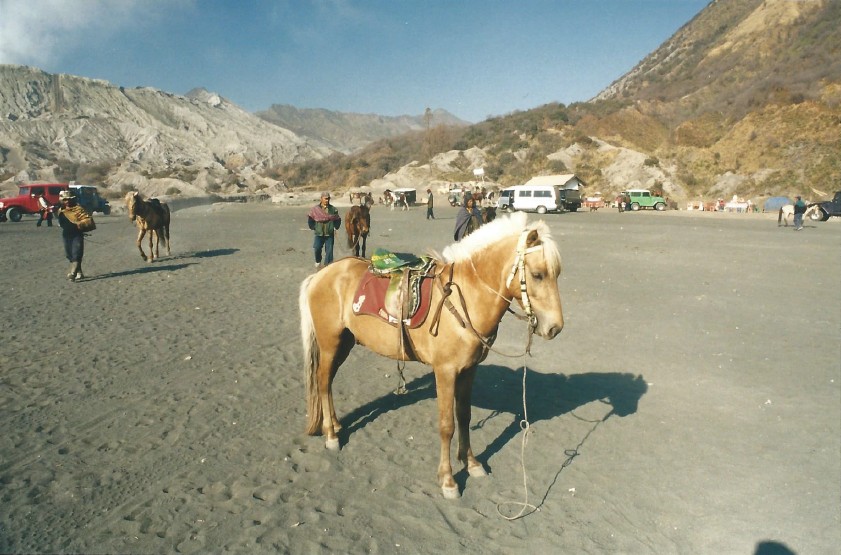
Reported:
(474, 58)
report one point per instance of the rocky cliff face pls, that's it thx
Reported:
(54, 126)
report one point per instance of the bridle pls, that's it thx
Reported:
(446, 289)
(520, 264)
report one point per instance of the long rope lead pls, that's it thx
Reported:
(525, 426)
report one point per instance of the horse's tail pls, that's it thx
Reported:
(311, 359)
(166, 213)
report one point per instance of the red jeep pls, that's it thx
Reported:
(27, 200)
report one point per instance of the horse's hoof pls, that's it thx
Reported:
(333, 444)
(477, 471)
(450, 492)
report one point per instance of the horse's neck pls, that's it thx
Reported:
(140, 208)
(482, 285)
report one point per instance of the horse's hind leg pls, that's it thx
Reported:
(166, 237)
(464, 389)
(332, 354)
(152, 241)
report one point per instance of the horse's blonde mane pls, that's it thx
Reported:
(500, 228)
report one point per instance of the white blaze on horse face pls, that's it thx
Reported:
(544, 296)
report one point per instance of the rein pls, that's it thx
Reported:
(446, 289)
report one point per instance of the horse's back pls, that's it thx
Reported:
(331, 290)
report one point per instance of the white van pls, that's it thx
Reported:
(539, 198)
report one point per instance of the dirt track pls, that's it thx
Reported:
(692, 404)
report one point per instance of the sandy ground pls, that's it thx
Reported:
(692, 404)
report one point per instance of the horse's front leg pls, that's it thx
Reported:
(464, 389)
(445, 390)
(140, 235)
(364, 241)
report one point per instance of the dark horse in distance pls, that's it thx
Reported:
(151, 216)
(357, 226)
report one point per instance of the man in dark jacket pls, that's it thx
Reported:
(468, 219)
(799, 210)
(74, 239)
(323, 219)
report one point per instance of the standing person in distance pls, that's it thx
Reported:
(468, 219)
(799, 210)
(429, 205)
(45, 211)
(323, 219)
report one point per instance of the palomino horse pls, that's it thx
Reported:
(787, 212)
(357, 226)
(151, 216)
(479, 272)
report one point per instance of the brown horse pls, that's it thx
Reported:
(357, 226)
(488, 214)
(479, 271)
(151, 216)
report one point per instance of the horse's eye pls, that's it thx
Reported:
(536, 276)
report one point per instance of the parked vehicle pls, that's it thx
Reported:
(455, 196)
(26, 202)
(90, 199)
(828, 208)
(642, 198)
(411, 195)
(538, 198)
(570, 199)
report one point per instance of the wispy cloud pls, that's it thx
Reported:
(36, 32)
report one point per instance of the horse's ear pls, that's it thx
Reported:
(532, 239)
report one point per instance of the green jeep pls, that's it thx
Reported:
(642, 198)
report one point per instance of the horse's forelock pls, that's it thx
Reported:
(551, 252)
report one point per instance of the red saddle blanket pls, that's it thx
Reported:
(384, 297)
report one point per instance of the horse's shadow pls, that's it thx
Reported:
(142, 270)
(499, 390)
(211, 253)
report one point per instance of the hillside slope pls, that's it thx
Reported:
(348, 132)
(55, 125)
(745, 99)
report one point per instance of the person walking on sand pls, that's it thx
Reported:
(429, 205)
(323, 219)
(468, 219)
(799, 210)
(45, 211)
(71, 235)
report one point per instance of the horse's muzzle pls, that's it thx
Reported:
(553, 331)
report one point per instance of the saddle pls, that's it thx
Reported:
(395, 288)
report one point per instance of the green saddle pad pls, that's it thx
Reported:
(383, 260)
